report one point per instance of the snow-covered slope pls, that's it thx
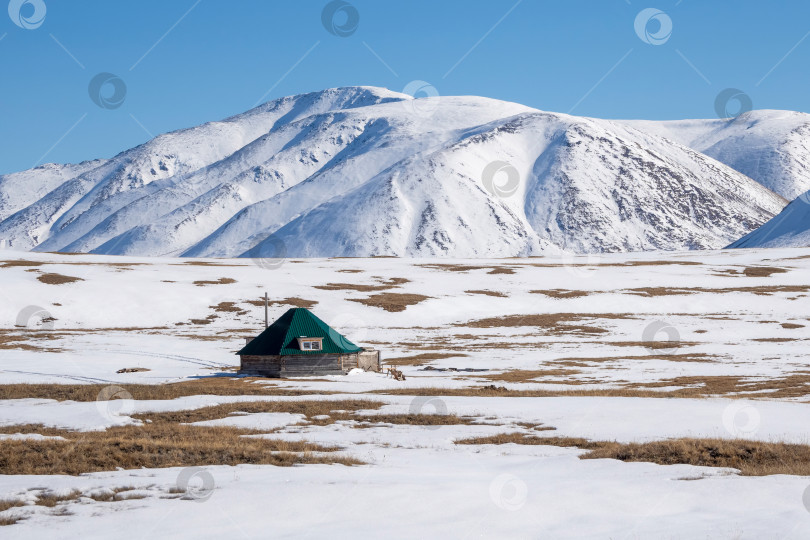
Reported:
(83, 201)
(365, 171)
(589, 186)
(772, 147)
(791, 228)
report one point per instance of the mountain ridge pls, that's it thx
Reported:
(363, 170)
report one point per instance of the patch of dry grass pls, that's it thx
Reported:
(488, 293)
(308, 408)
(562, 293)
(696, 357)
(294, 302)
(209, 263)
(525, 375)
(10, 520)
(11, 341)
(51, 499)
(791, 326)
(217, 386)
(751, 458)
(500, 391)
(763, 271)
(663, 344)
(57, 279)
(795, 385)
(384, 285)
(220, 281)
(393, 302)
(19, 263)
(6, 504)
(157, 445)
(228, 307)
(557, 323)
(317, 412)
(765, 290)
(114, 494)
(493, 269)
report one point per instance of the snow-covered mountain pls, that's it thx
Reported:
(772, 147)
(363, 171)
(791, 228)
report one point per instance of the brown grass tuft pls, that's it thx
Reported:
(10, 520)
(51, 499)
(5, 504)
(111, 495)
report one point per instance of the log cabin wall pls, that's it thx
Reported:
(303, 365)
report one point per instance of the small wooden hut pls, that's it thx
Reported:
(299, 344)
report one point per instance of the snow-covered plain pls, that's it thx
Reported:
(722, 311)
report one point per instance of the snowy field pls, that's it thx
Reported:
(628, 348)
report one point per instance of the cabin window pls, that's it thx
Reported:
(310, 344)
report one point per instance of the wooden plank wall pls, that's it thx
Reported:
(308, 364)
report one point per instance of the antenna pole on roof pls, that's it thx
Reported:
(266, 301)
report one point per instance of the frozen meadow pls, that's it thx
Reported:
(631, 348)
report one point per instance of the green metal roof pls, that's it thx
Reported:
(280, 337)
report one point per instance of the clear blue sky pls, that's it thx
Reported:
(186, 62)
